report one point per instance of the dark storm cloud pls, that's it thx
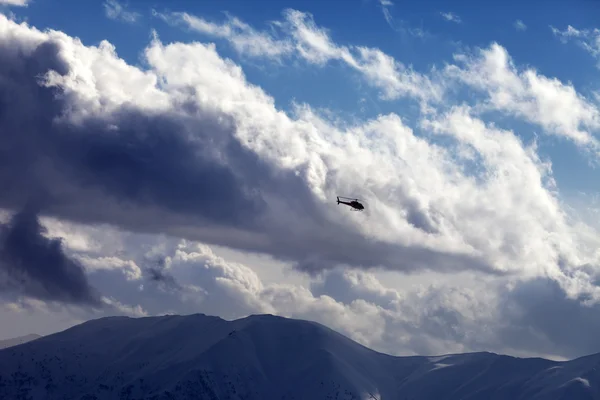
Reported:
(157, 273)
(35, 266)
(180, 173)
(147, 162)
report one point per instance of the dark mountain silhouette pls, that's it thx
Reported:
(263, 357)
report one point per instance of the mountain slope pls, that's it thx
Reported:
(265, 357)
(18, 340)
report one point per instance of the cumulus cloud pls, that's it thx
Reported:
(129, 268)
(353, 302)
(188, 148)
(430, 319)
(557, 107)
(115, 10)
(229, 169)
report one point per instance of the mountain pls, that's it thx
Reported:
(18, 340)
(264, 357)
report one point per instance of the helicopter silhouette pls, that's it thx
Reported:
(355, 204)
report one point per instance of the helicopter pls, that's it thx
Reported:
(355, 204)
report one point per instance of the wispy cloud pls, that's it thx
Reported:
(385, 5)
(450, 16)
(245, 39)
(117, 11)
(588, 39)
(398, 25)
(520, 25)
(300, 36)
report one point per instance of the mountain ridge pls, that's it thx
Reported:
(264, 356)
(5, 343)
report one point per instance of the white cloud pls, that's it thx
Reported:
(450, 16)
(520, 25)
(130, 269)
(588, 39)
(244, 38)
(352, 302)
(117, 11)
(303, 38)
(131, 311)
(483, 202)
(385, 5)
(553, 105)
(406, 208)
(19, 3)
(526, 94)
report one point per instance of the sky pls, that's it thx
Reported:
(185, 157)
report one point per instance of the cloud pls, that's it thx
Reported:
(520, 25)
(230, 169)
(398, 25)
(158, 273)
(526, 94)
(167, 160)
(129, 268)
(37, 267)
(189, 148)
(431, 319)
(450, 16)
(540, 318)
(300, 36)
(549, 103)
(368, 312)
(245, 39)
(18, 3)
(588, 39)
(385, 5)
(115, 10)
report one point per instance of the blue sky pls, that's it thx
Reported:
(184, 178)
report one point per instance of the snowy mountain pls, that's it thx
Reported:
(18, 340)
(265, 357)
